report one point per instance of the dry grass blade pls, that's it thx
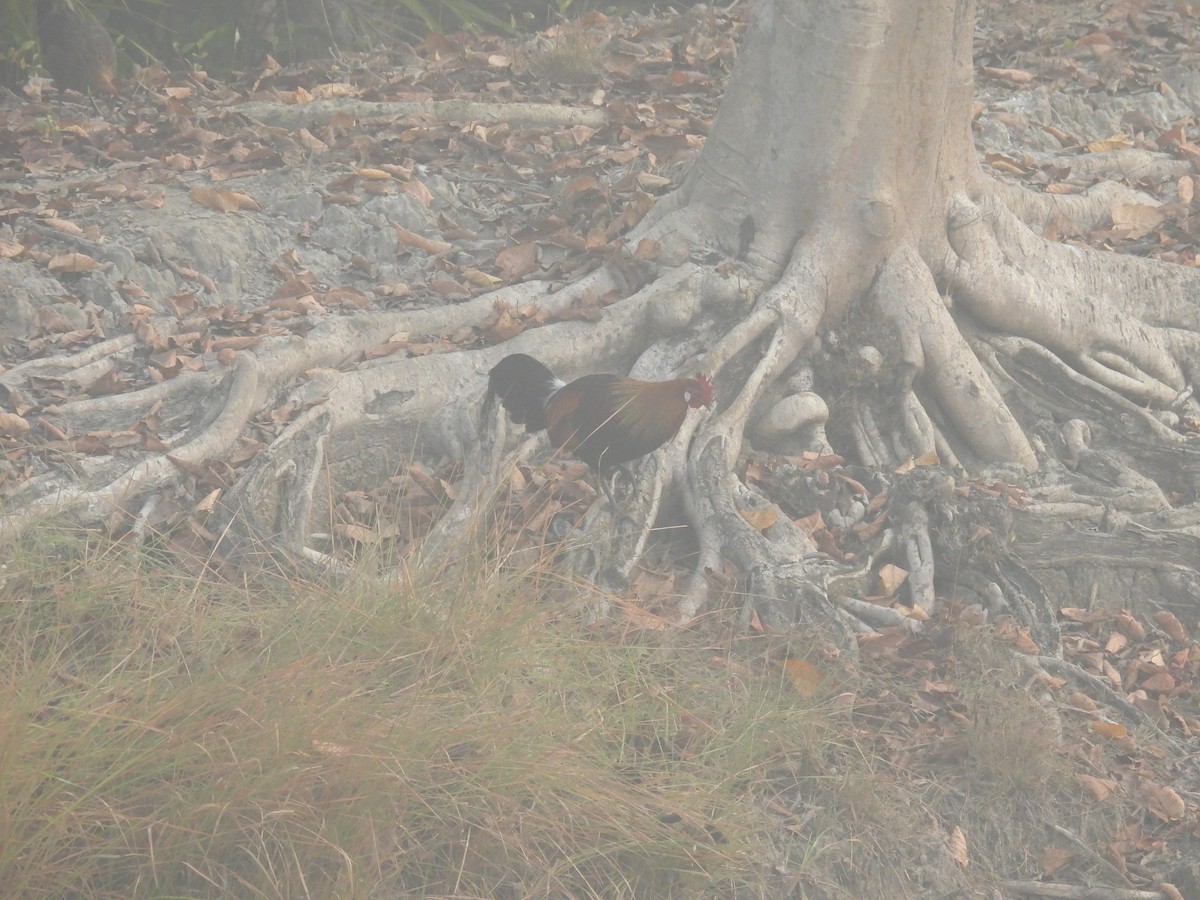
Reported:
(165, 736)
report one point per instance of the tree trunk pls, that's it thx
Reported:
(923, 310)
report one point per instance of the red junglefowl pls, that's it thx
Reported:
(76, 51)
(605, 420)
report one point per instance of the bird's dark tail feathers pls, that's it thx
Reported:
(523, 385)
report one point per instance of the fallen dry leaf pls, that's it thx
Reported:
(637, 617)
(505, 326)
(385, 349)
(392, 289)
(1100, 788)
(928, 458)
(63, 225)
(373, 174)
(647, 249)
(1163, 802)
(1186, 186)
(1169, 623)
(12, 425)
(209, 502)
(416, 240)
(1131, 627)
(1006, 164)
(1116, 643)
(891, 577)
(1114, 142)
(241, 342)
(958, 847)
(1080, 700)
(222, 200)
(761, 519)
(1108, 729)
(1159, 682)
(1054, 858)
(1019, 637)
(357, 533)
(73, 262)
(52, 321)
(418, 190)
(1012, 76)
(1133, 220)
(804, 676)
(518, 260)
(480, 279)
(152, 201)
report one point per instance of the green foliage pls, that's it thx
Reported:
(16, 41)
(163, 736)
(228, 35)
(446, 15)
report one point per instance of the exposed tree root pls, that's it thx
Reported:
(951, 370)
(259, 376)
(320, 112)
(70, 363)
(1075, 212)
(943, 377)
(891, 311)
(1122, 330)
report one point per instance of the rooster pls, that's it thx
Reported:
(76, 51)
(604, 420)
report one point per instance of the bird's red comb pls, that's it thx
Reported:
(705, 394)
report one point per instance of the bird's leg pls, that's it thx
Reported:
(607, 481)
(626, 473)
(602, 480)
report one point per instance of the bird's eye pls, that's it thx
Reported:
(687, 396)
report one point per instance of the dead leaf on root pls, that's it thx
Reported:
(761, 519)
(929, 458)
